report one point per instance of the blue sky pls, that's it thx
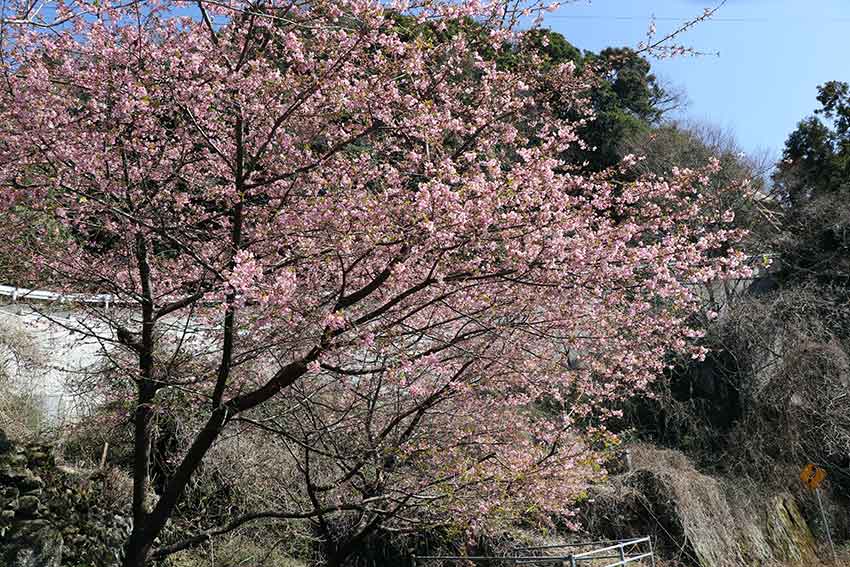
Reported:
(772, 56)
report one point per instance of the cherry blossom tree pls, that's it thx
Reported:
(316, 206)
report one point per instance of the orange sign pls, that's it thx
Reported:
(812, 476)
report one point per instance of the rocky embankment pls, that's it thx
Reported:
(701, 520)
(52, 516)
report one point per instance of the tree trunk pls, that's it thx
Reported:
(334, 556)
(139, 544)
(141, 452)
(136, 551)
(148, 529)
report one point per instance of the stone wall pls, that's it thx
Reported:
(51, 516)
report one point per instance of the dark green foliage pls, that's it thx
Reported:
(624, 101)
(552, 47)
(813, 180)
(624, 96)
(834, 97)
(816, 158)
(812, 163)
(628, 77)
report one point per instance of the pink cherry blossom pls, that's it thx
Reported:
(375, 225)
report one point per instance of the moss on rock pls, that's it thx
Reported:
(51, 516)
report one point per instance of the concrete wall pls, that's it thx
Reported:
(63, 354)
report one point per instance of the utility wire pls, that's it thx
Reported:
(674, 19)
(657, 18)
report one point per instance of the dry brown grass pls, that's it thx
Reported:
(21, 411)
(699, 519)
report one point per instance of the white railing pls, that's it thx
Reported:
(23, 294)
(625, 552)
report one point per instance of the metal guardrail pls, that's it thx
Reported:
(42, 296)
(626, 552)
(26, 295)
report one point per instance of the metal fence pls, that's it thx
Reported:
(42, 296)
(622, 552)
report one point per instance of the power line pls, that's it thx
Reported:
(658, 19)
(674, 19)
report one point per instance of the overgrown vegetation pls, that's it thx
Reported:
(21, 363)
(341, 464)
(772, 393)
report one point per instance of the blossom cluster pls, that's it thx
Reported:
(342, 184)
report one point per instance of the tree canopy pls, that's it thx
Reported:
(318, 225)
(623, 94)
(813, 180)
